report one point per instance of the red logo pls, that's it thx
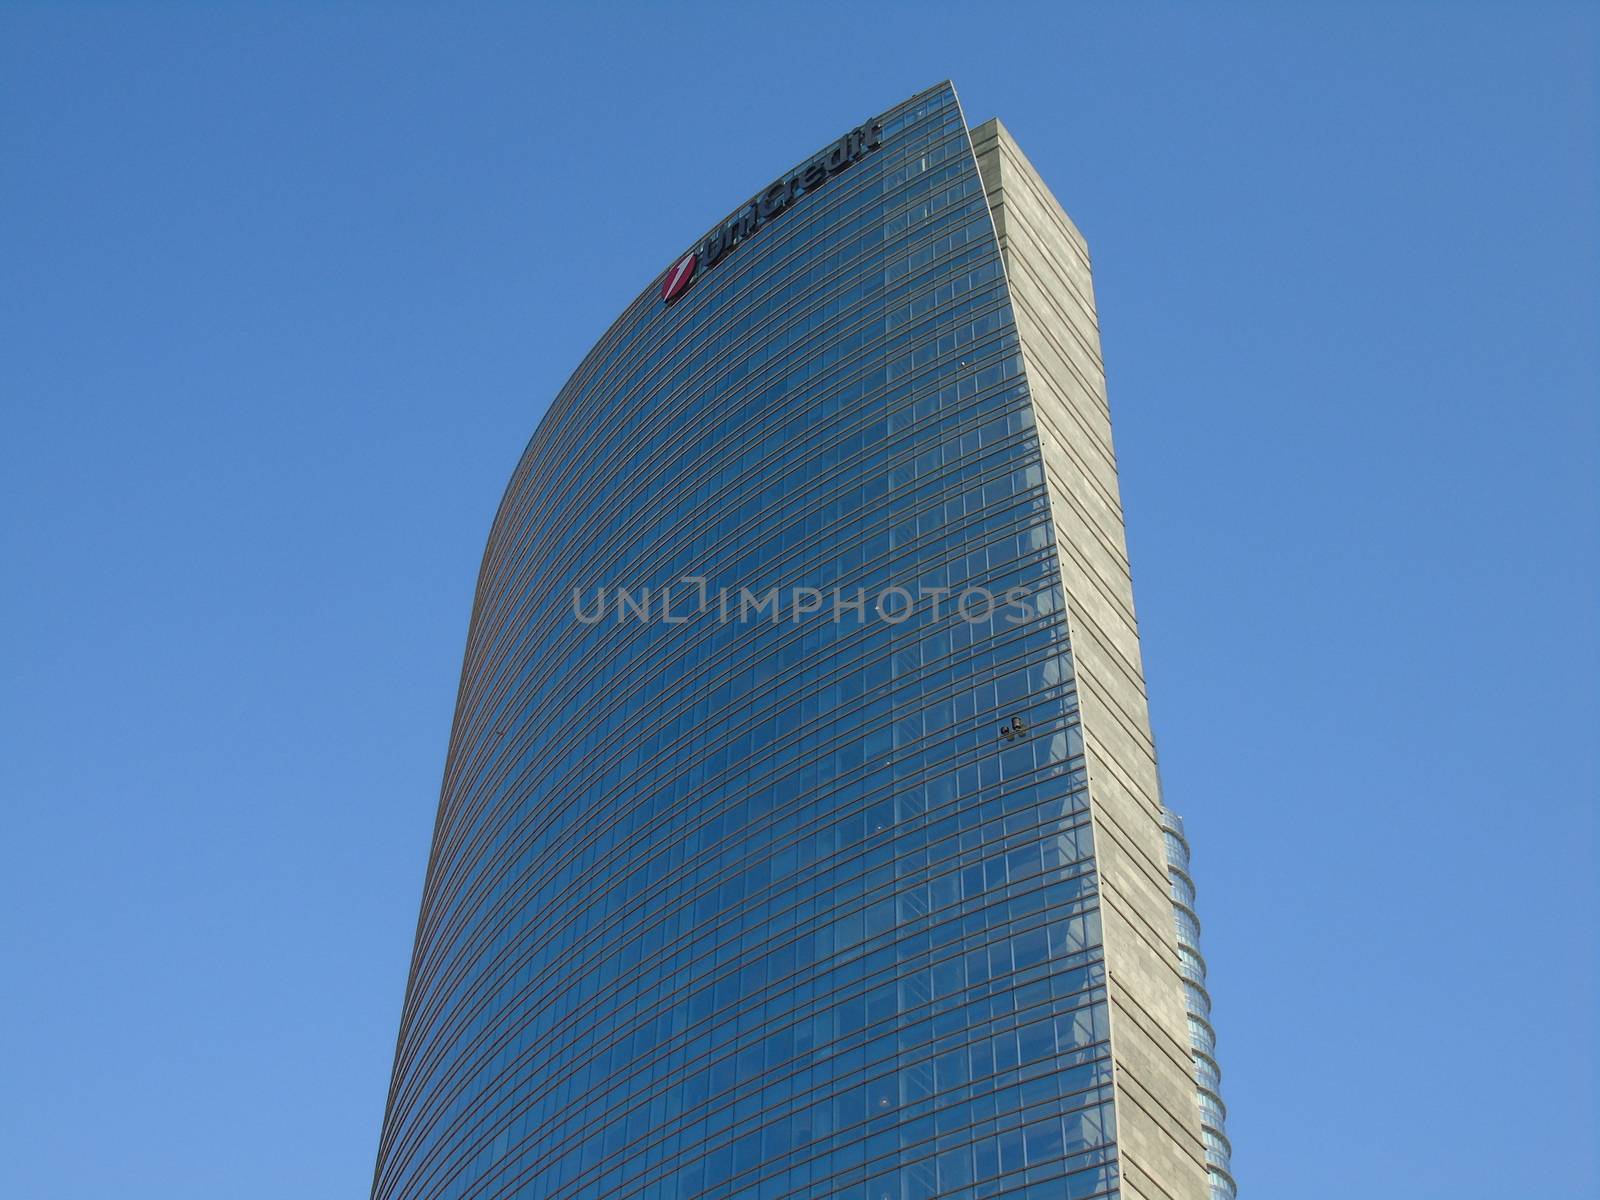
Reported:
(679, 278)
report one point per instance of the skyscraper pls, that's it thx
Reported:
(800, 832)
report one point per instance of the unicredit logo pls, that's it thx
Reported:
(768, 205)
(680, 277)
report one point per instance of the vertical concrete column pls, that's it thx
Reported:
(1048, 274)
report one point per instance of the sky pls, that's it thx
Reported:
(284, 289)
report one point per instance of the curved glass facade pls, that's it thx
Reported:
(791, 903)
(1197, 1005)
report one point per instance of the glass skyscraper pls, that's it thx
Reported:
(800, 833)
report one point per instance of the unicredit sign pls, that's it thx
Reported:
(768, 206)
(680, 277)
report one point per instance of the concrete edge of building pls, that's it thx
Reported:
(1047, 266)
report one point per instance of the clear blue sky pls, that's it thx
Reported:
(285, 288)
